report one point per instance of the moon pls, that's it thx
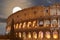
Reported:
(15, 9)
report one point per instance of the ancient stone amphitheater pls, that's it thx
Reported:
(35, 23)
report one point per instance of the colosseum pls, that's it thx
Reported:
(35, 23)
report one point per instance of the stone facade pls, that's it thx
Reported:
(28, 23)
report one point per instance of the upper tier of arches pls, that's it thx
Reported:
(34, 13)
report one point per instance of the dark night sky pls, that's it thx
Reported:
(6, 7)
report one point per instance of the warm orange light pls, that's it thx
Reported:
(34, 22)
(48, 36)
(20, 25)
(8, 29)
(16, 26)
(40, 35)
(29, 24)
(19, 34)
(35, 35)
(24, 24)
(55, 34)
(29, 35)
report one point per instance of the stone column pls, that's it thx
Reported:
(12, 32)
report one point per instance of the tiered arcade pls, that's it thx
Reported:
(36, 23)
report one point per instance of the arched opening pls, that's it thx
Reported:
(24, 35)
(40, 35)
(34, 35)
(55, 34)
(15, 9)
(29, 35)
(48, 36)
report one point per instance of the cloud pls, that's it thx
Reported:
(45, 2)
